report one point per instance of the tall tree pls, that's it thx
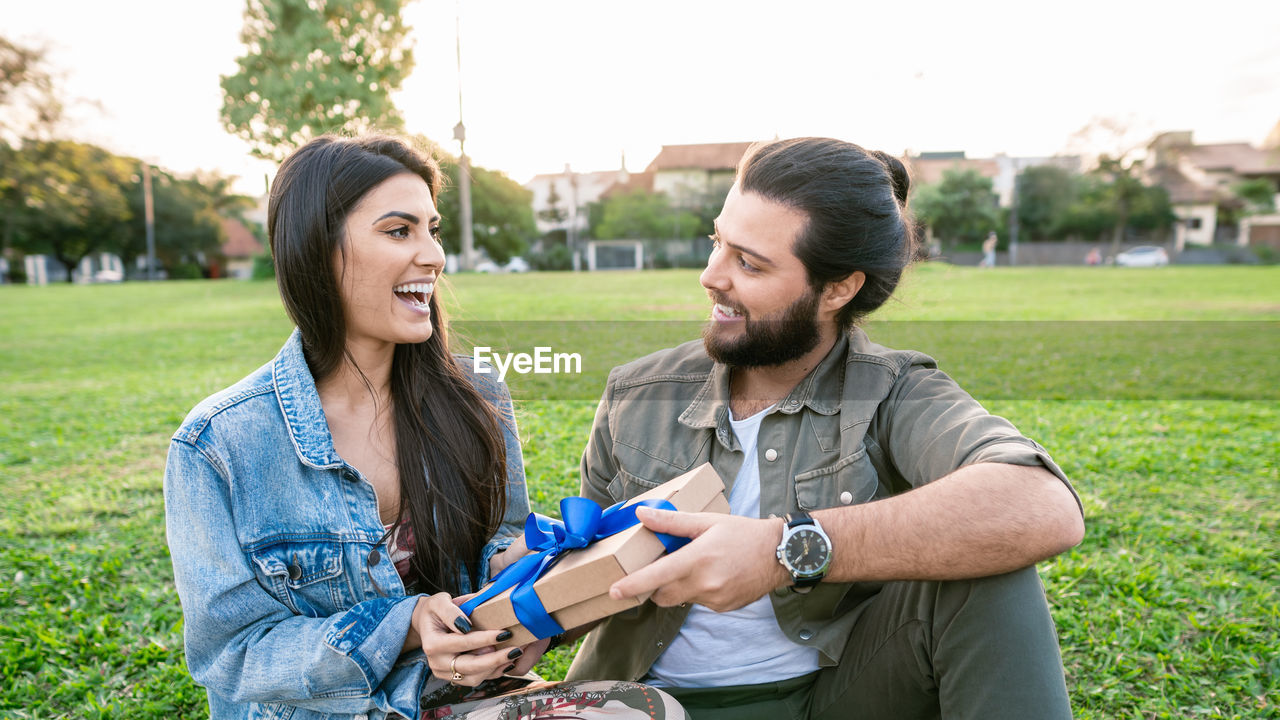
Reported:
(315, 67)
(1044, 194)
(29, 106)
(501, 212)
(74, 200)
(188, 219)
(641, 215)
(29, 109)
(959, 208)
(552, 213)
(1125, 190)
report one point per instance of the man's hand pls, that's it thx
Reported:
(514, 552)
(729, 563)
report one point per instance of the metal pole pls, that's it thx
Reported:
(467, 261)
(149, 210)
(573, 217)
(1013, 220)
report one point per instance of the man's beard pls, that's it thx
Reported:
(771, 341)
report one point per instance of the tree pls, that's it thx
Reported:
(1045, 192)
(960, 208)
(188, 219)
(1258, 195)
(553, 214)
(1124, 189)
(29, 109)
(315, 67)
(1090, 214)
(74, 203)
(501, 212)
(639, 214)
(30, 106)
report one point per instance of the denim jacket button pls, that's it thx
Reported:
(375, 557)
(350, 475)
(295, 572)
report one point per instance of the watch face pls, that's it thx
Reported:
(807, 552)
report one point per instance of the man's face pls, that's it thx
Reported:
(764, 312)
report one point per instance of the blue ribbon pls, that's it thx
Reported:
(548, 538)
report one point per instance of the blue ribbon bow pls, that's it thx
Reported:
(547, 538)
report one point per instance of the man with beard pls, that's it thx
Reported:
(810, 600)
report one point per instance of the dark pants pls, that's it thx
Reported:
(963, 650)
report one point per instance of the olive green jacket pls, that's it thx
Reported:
(867, 423)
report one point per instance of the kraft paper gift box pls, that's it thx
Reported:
(575, 591)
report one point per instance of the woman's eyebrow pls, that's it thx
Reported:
(402, 215)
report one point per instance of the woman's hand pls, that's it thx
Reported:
(529, 656)
(451, 646)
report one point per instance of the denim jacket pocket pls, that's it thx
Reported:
(850, 481)
(305, 576)
(271, 711)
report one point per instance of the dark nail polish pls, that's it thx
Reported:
(462, 624)
(515, 653)
(504, 635)
(509, 668)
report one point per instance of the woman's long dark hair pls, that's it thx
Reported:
(450, 452)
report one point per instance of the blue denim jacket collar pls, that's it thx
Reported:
(300, 404)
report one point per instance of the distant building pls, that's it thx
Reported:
(927, 168)
(1200, 178)
(693, 175)
(235, 256)
(573, 192)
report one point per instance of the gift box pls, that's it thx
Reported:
(575, 590)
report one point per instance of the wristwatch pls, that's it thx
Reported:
(805, 551)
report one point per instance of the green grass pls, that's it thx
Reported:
(1155, 389)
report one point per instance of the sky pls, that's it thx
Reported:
(582, 82)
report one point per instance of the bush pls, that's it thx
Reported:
(1267, 255)
(185, 271)
(263, 268)
(558, 257)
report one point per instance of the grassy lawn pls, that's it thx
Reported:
(1157, 391)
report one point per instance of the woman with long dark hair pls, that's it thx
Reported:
(325, 513)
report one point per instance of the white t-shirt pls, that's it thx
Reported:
(743, 646)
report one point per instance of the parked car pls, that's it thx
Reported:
(1143, 256)
(516, 264)
(487, 266)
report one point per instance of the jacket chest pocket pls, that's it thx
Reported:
(849, 481)
(307, 577)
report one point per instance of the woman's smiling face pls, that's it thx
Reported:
(389, 263)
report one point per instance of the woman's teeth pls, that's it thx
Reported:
(417, 292)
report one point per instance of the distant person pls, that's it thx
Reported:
(1094, 257)
(324, 513)
(989, 250)
(879, 559)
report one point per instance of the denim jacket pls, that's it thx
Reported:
(291, 607)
